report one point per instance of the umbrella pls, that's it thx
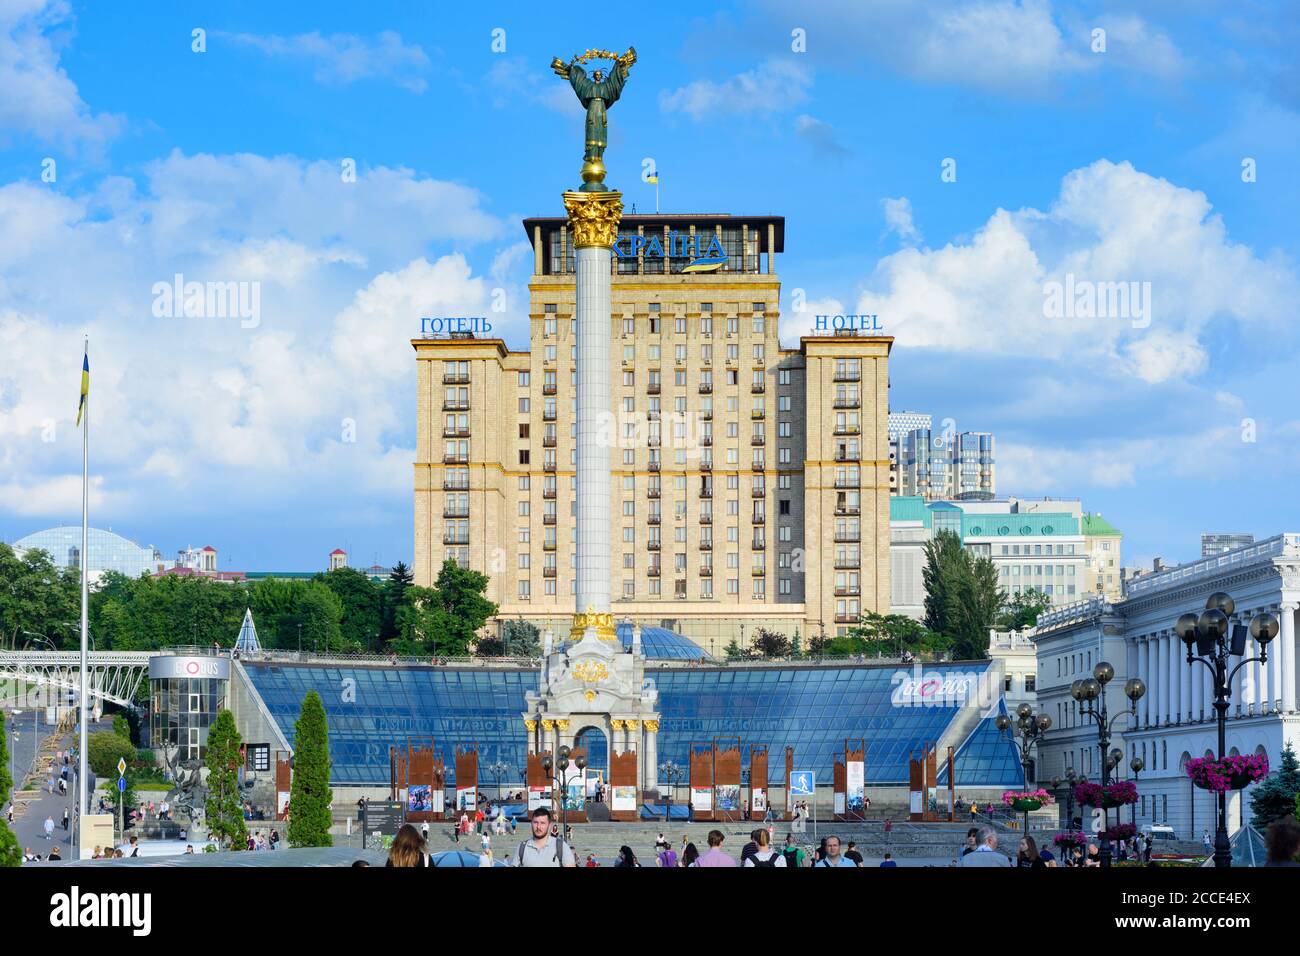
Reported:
(458, 858)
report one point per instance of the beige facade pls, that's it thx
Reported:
(1102, 575)
(750, 482)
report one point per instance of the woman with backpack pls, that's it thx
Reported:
(764, 855)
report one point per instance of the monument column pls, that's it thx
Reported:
(594, 218)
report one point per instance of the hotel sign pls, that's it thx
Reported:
(704, 250)
(847, 323)
(168, 666)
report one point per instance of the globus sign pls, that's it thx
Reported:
(168, 666)
(704, 256)
(933, 689)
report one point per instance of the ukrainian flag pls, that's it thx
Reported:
(653, 179)
(85, 385)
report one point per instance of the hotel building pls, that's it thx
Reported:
(751, 481)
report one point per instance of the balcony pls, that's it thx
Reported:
(758, 544)
(652, 571)
(845, 456)
(848, 537)
(706, 388)
(847, 564)
(844, 376)
(758, 572)
(653, 388)
(455, 459)
(757, 440)
(654, 441)
(848, 403)
(455, 406)
(548, 389)
(653, 466)
(548, 415)
(706, 415)
(548, 519)
(846, 482)
(706, 441)
(848, 430)
(455, 433)
(758, 493)
(757, 389)
(846, 619)
(548, 494)
(653, 519)
(706, 492)
(453, 512)
(758, 519)
(652, 493)
(548, 441)
(758, 465)
(652, 545)
(706, 465)
(548, 545)
(549, 466)
(548, 572)
(653, 415)
(706, 545)
(757, 414)
(706, 571)
(847, 510)
(451, 378)
(460, 485)
(847, 592)
(455, 539)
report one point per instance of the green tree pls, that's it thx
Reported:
(735, 652)
(448, 616)
(399, 579)
(522, 638)
(972, 607)
(771, 643)
(363, 607)
(944, 555)
(796, 646)
(490, 646)
(320, 612)
(10, 854)
(1276, 795)
(310, 795)
(1022, 610)
(121, 726)
(36, 598)
(103, 750)
(224, 807)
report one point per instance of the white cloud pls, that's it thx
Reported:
(182, 408)
(343, 58)
(898, 218)
(39, 98)
(773, 87)
(1109, 224)
(819, 134)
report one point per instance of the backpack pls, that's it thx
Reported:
(791, 855)
(559, 852)
(771, 860)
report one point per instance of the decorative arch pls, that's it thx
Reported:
(595, 741)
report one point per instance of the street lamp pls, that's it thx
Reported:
(1090, 695)
(499, 770)
(1028, 732)
(1209, 633)
(561, 763)
(1137, 766)
(672, 773)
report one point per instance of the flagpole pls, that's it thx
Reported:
(85, 591)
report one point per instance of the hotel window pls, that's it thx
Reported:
(783, 455)
(629, 589)
(706, 324)
(679, 354)
(706, 587)
(550, 353)
(679, 377)
(629, 326)
(654, 321)
(760, 351)
(524, 379)
(783, 403)
(706, 306)
(523, 590)
(629, 353)
(733, 326)
(524, 405)
(629, 559)
(655, 306)
(679, 326)
(733, 353)
(733, 377)
(524, 558)
(524, 535)
(783, 482)
(759, 325)
(549, 327)
(733, 585)
(783, 376)
(629, 535)
(629, 379)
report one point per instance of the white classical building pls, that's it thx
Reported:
(1174, 721)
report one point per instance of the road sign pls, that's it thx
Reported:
(121, 766)
(802, 783)
(121, 784)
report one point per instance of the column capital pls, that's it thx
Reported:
(531, 724)
(548, 724)
(652, 726)
(594, 218)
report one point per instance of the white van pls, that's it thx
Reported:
(1159, 832)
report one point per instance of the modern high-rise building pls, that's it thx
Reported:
(944, 465)
(750, 481)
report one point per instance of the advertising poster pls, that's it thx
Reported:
(729, 797)
(466, 799)
(839, 803)
(622, 798)
(539, 797)
(575, 798)
(758, 802)
(281, 803)
(419, 799)
(702, 799)
(915, 805)
(855, 785)
(438, 801)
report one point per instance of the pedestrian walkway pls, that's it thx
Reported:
(30, 815)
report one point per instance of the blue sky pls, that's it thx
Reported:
(1122, 164)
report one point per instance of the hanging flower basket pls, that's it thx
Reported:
(1120, 831)
(1071, 838)
(1088, 794)
(1119, 794)
(1230, 773)
(1026, 801)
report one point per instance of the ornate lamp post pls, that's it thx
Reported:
(1209, 634)
(561, 764)
(1090, 695)
(1137, 766)
(1028, 733)
(672, 773)
(499, 770)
